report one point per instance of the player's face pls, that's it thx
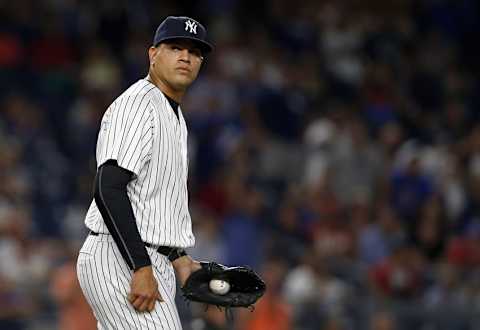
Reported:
(176, 63)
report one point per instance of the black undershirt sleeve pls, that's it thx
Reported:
(110, 194)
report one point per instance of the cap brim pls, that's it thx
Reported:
(205, 46)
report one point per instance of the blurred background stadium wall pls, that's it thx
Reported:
(334, 147)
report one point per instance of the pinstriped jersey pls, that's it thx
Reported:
(142, 133)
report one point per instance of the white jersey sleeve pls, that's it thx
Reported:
(126, 132)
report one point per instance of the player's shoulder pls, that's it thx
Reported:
(134, 100)
(138, 91)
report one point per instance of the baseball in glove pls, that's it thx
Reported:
(246, 287)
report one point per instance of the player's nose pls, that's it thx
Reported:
(185, 55)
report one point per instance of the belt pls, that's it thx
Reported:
(171, 252)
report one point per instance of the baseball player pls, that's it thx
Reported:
(139, 220)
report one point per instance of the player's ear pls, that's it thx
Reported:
(152, 52)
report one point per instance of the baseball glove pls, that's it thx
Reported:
(246, 287)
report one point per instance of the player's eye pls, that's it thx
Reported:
(196, 52)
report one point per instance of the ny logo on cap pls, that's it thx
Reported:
(192, 26)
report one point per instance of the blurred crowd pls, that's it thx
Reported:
(334, 147)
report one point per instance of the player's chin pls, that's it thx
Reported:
(184, 80)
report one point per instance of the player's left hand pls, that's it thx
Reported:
(184, 266)
(246, 287)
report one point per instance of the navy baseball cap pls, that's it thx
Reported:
(181, 27)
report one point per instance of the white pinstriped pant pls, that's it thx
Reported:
(105, 280)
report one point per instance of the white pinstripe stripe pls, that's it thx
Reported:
(103, 288)
(101, 315)
(117, 296)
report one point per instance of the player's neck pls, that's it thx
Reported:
(165, 88)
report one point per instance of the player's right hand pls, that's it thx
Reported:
(144, 290)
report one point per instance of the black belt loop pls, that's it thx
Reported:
(96, 234)
(170, 252)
